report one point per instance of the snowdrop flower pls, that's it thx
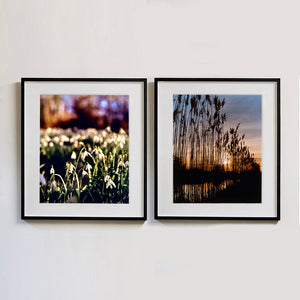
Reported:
(53, 186)
(96, 139)
(64, 138)
(100, 154)
(51, 144)
(110, 184)
(52, 170)
(45, 144)
(110, 141)
(85, 173)
(73, 156)
(56, 140)
(84, 155)
(70, 168)
(106, 178)
(121, 139)
(96, 151)
(121, 164)
(88, 167)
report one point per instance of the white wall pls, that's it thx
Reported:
(42, 260)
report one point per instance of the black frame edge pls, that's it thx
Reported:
(22, 148)
(156, 80)
(145, 148)
(278, 148)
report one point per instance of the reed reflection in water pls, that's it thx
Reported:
(201, 192)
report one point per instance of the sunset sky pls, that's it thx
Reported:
(247, 110)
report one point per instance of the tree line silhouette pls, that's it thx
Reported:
(200, 140)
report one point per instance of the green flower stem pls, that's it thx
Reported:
(65, 187)
(78, 186)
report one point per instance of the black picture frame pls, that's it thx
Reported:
(138, 88)
(159, 83)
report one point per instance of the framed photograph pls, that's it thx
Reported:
(84, 148)
(217, 148)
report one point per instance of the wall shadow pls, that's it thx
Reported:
(18, 136)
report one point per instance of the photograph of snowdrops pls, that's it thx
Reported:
(84, 149)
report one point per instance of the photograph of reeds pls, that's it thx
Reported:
(84, 149)
(217, 156)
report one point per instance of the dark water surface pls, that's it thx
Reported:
(201, 192)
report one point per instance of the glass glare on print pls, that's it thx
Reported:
(84, 149)
(217, 154)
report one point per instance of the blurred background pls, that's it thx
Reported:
(84, 111)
